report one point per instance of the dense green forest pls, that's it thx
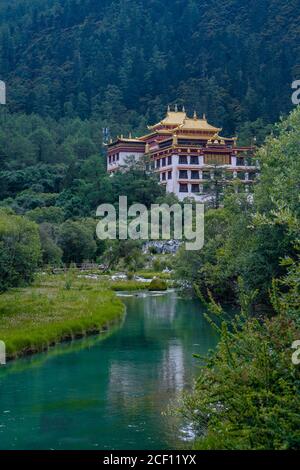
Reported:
(123, 61)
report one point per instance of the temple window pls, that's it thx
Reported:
(183, 160)
(163, 161)
(183, 174)
(194, 160)
(183, 188)
(195, 175)
(157, 163)
(170, 160)
(169, 175)
(163, 176)
(195, 188)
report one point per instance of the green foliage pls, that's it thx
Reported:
(54, 215)
(124, 254)
(77, 242)
(51, 252)
(158, 285)
(160, 263)
(20, 250)
(254, 133)
(124, 61)
(247, 395)
(70, 278)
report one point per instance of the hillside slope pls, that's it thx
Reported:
(123, 59)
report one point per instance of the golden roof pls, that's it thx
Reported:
(173, 118)
(179, 120)
(198, 125)
(125, 140)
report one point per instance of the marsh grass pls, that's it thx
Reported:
(82, 282)
(47, 313)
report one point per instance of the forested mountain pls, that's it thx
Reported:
(75, 66)
(123, 61)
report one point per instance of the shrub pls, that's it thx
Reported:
(158, 284)
(20, 250)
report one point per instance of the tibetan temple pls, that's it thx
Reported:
(186, 153)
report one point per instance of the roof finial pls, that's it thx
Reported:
(176, 108)
(204, 117)
(195, 115)
(183, 109)
(169, 109)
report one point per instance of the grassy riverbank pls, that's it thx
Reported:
(55, 310)
(60, 307)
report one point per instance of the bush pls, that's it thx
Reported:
(76, 239)
(51, 252)
(52, 215)
(20, 250)
(158, 284)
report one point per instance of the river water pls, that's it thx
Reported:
(110, 392)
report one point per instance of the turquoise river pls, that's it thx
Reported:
(111, 392)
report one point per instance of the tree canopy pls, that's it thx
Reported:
(125, 60)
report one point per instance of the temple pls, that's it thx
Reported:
(188, 154)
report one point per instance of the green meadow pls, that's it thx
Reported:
(55, 309)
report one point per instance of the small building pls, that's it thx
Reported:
(187, 154)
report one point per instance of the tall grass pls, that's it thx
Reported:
(35, 318)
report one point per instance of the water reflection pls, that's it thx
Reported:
(173, 370)
(162, 307)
